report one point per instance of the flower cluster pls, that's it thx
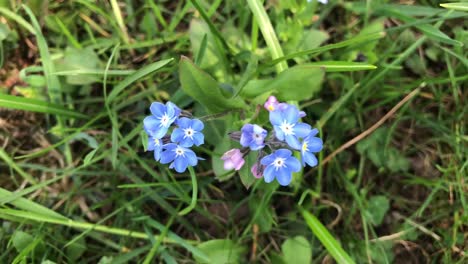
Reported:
(173, 148)
(289, 135)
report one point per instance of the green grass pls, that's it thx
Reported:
(78, 77)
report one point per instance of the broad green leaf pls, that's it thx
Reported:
(217, 163)
(80, 60)
(199, 31)
(312, 39)
(4, 31)
(296, 83)
(297, 250)
(33, 105)
(327, 240)
(151, 68)
(21, 240)
(461, 6)
(245, 174)
(377, 208)
(76, 249)
(204, 89)
(222, 251)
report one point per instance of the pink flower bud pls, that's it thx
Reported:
(256, 171)
(233, 159)
(271, 104)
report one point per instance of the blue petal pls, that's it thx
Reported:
(293, 142)
(183, 122)
(283, 176)
(157, 154)
(167, 156)
(246, 139)
(247, 128)
(291, 114)
(186, 142)
(269, 174)
(255, 146)
(267, 160)
(170, 146)
(313, 132)
(283, 153)
(279, 133)
(276, 118)
(191, 158)
(150, 123)
(180, 164)
(177, 135)
(151, 144)
(159, 133)
(157, 109)
(314, 144)
(173, 110)
(301, 130)
(293, 164)
(198, 138)
(310, 159)
(197, 125)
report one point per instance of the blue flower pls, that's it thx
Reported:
(286, 125)
(161, 119)
(156, 145)
(310, 145)
(188, 133)
(252, 136)
(180, 157)
(280, 165)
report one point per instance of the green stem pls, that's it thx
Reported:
(194, 193)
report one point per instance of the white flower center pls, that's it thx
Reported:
(164, 120)
(188, 132)
(279, 163)
(156, 142)
(287, 128)
(179, 151)
(305, 148)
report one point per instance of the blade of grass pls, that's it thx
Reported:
(151, 68)
(34, 105)
(21, 21)
(341, 66)
(119, 18)
(327, 240)
(268, 33)
(456, 6)
(9, 161)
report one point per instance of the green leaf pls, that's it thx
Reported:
(89, 157)
(33, 105)
(312, 39)
(377, 208)
(264, 215)
(297, 250)
(245, 174)
(76, 249)
(327, 240)
(221, 251)
(199, 31)
(80, 60)
(296, 83)
(456, 6)
(204, 89)
(4, 31)
(151, 68)
(21, 240)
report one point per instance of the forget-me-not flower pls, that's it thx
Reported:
(280, 165)
(188, 132)
(180, 157)
(161, 119)
(286, 125)
(156, 145)
(252, 136)
(311, 145)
